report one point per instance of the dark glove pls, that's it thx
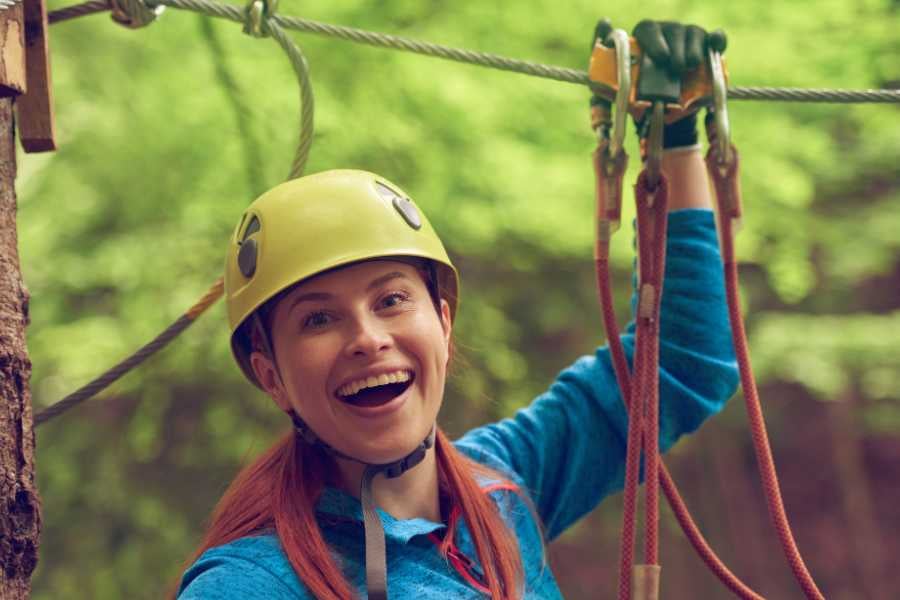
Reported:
(677, 48)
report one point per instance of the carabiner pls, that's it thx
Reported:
(623, 66)
(720, 93)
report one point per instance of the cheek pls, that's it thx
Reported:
(309, 363)
(434, 343)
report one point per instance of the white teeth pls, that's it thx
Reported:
(348, 389)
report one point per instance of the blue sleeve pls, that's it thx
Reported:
(568, 446)
(220, 576)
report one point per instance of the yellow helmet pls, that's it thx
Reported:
(315, 223)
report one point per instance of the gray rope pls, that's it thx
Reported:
(495, 61)
(216, 9)
(483, 59)
(813, 95)
(301, 68)
(78, 10)
(158, 343)
(298, 62)
(103, 381)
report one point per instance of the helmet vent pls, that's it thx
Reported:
(252, 228)
(247, 255)
(402, 205)
(247, 258)
(408, 211)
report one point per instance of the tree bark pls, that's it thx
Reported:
(20, 516)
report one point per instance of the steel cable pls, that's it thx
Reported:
(496, 61)
(484, 59)
(159, 342)
(77, 10)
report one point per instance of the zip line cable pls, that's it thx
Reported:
(139, 13)
(484, 59)
(78, 10)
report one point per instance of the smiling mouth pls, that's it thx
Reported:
(377, 395)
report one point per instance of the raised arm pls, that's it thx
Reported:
(568, 447)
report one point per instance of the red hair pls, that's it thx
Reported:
(279, 491)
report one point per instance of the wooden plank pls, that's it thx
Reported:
(34, 109)
(12, 52)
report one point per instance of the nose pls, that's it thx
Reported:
(368, 337)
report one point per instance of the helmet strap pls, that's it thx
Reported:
(376, 561)
(390, 470)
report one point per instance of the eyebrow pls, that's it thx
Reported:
(320, 296)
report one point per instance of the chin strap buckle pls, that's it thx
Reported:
(398, 468)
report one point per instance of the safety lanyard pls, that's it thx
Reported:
(640, 396)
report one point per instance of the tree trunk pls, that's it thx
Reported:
(20, 516)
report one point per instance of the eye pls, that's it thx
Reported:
(394, 299)
(316, 320)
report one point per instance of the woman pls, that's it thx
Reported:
(341, 300)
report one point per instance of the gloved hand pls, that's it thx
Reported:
(677, 48)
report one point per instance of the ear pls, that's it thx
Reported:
(446, 321)
(267, 376)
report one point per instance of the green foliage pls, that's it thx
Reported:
(125, 226)
(829, 354)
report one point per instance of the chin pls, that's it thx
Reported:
(389, 448)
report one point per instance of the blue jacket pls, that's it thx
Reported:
(565, 451)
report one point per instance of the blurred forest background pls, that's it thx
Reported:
(168, 132)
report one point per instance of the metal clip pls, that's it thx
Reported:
(255, 16)
(720, 93)
(623, 68)
(134, 14)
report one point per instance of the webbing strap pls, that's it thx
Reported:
(376, 557)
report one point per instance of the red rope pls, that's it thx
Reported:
(609, 185)
(652, 217)
(728, 196)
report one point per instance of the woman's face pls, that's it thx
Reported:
(362, 355)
